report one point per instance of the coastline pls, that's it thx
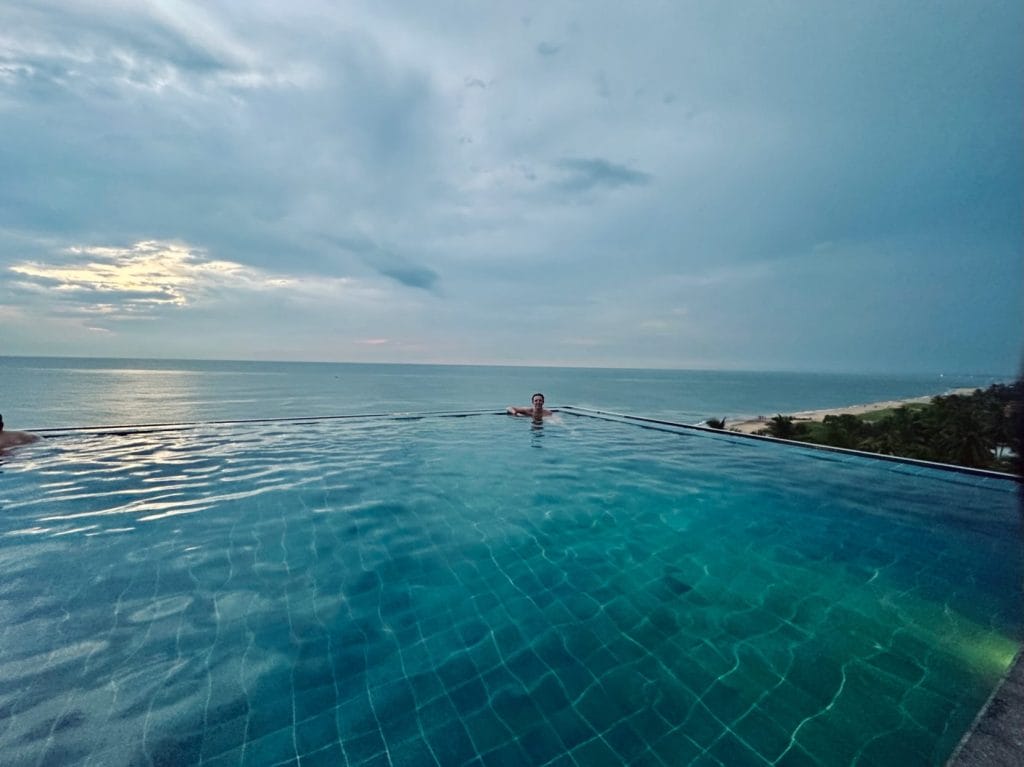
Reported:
(752, 425)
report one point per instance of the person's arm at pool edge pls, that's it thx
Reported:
(537, 411)
(15, 438)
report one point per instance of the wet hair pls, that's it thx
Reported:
(537, 394)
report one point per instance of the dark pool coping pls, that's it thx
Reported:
(575, 410)
(996, 737)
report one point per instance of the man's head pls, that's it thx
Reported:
(538, 401)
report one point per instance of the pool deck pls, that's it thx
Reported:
(996, 739)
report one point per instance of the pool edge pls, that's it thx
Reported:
(970, 470)
(996, 736)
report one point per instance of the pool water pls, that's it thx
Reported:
(475, 590)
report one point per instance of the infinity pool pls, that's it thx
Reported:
(478, 591)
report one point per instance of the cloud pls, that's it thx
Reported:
(582, 175)
(141, 281)
(411, 276)
(389, 264)
(548, 49)
(143, 274)
(157, 47)
(221, 134)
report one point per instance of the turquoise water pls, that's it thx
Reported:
(473, 590)
(58, 392)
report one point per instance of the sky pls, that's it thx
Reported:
(783, 185)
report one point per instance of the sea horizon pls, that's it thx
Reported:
(40, 392)
(542, 366)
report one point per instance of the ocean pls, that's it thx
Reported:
(52, 392)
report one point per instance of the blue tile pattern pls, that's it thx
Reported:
(479, 592)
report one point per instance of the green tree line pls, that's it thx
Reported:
(982, 430)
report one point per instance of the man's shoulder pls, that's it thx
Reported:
(11, 438)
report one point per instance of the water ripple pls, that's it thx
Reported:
(450, 589)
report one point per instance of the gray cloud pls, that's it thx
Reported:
(548, 49)
(411, 276)
(74, 43)
(389, 264)
(582, 175)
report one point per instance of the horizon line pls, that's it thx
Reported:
(803, 371)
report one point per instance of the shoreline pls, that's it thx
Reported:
(752, 425)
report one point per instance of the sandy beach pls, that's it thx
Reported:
(752, 425)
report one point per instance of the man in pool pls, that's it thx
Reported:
(13, 438)
(537, 411)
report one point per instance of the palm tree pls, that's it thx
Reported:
(960, 436)
(782, 427)
(845, 431)
(902, 433)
